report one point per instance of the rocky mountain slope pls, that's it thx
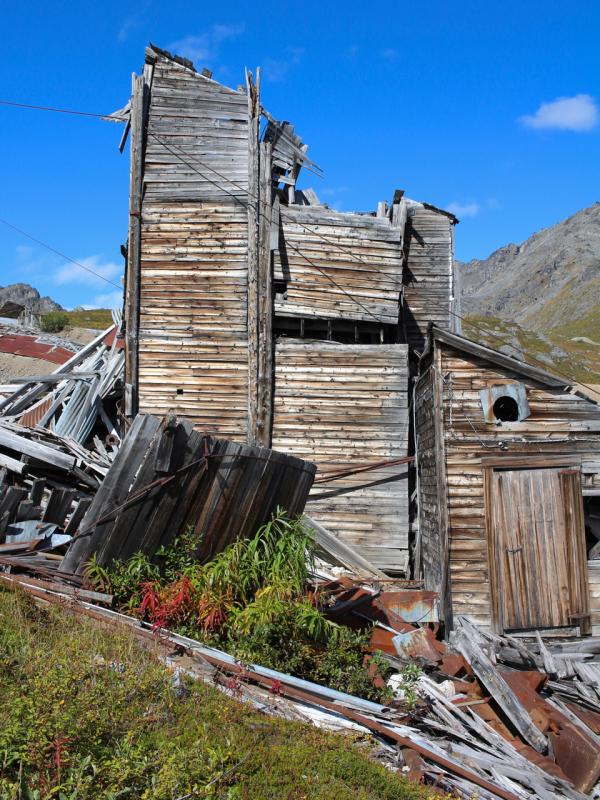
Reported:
(543, 295)
(25, 295)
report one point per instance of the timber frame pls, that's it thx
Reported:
(261, 314)
(562, 430)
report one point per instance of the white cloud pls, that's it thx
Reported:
(578, 113)
(463, 209)
(127, 26)
(109, 300)
(204, 47)
(99, 269)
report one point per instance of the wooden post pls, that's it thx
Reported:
(132, 286)
(253, 222)
(445, 589)
(264, 420)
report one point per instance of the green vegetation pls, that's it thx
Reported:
(87, 714)
(557, 349)
(96, 318)
(253, 601)
(54, 321)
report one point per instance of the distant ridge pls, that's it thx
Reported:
(543, 294)
(25, 295)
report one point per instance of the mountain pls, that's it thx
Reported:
(28, 297)
(542, 295)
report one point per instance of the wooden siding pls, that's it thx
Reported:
(432, 546)
(427, 274)
(197, 142)
(342, 406)
(356, 269)
(594, 584)
(562, 430)
(193, 338)
(193, 342)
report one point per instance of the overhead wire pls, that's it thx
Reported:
(504, 343)
(248, 204)
(58, 252)
(108, 117)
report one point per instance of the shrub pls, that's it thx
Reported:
(54, 322)
(252, 600)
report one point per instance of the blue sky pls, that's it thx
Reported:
(490, 109)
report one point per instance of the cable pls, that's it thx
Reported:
(108, 117)
(543, 366)
(248, 204)
(58, 253)
(337, 245)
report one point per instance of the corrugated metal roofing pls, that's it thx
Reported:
(22, 345)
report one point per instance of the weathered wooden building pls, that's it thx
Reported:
(508, 463)
(261, 314)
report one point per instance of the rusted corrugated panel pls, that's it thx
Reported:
(22, 345)
(31, 418)
(343, 406)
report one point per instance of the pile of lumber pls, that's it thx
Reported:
(463, 741)
(47, 484)
(77, 396)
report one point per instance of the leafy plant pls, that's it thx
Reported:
(54, 322)
(252, 599)
(410, 675)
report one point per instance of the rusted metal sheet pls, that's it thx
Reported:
(23, 345)
(413, 606)
(417, 644)
(494, 402)
(31, 417)
(577, 755)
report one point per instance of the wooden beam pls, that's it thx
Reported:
(253, 90)
(140, 96)
(264, 416)
(466, 641)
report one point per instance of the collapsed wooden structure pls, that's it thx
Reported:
(168, 479)
(260, 314)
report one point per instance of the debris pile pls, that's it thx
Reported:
(70, 400)
(476, 728)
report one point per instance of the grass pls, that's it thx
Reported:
(580, 361)
(96, 318)
(87, 713)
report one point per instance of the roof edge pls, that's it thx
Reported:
(509, 362)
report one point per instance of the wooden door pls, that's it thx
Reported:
(539, 565)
